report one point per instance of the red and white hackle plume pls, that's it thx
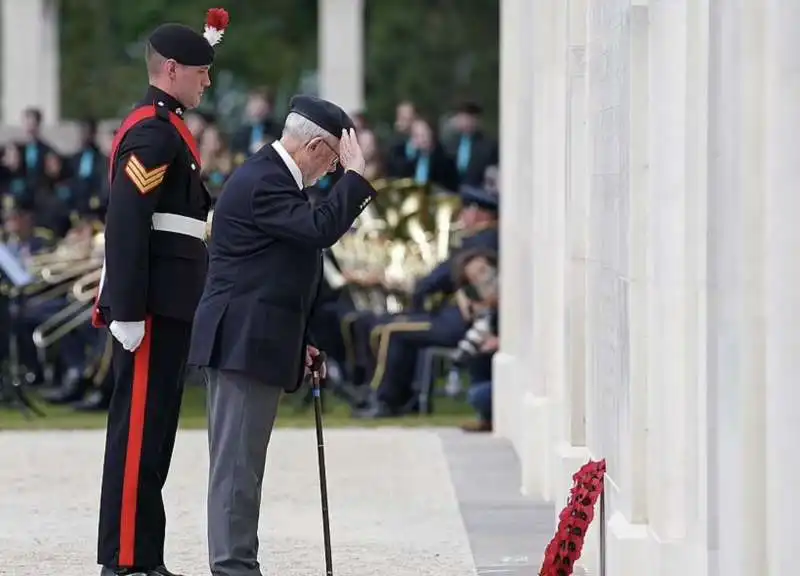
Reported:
(216, 21)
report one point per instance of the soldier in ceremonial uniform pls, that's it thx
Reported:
(155, 268)
(399, 339)
(251, 332)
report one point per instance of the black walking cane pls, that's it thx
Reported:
(316, 366)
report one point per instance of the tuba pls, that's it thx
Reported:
(404, 233)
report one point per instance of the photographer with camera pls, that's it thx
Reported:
(477, 280)
(402, 337)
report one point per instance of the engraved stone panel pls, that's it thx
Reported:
(608, 291)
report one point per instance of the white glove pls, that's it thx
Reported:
(129, 334)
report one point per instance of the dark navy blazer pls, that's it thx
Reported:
(265, 266)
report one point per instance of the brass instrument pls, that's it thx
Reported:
(405, 232)
(74, 315)
(74, 279)
(85, 289)
(74, 256)
(401, 236)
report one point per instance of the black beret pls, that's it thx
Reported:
(484, 199)
(324, 114)
(182, 44)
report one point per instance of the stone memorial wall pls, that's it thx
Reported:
(650, 285)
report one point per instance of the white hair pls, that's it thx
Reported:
(301, 128)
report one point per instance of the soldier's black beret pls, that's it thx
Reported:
(324, 114)
(182, 44)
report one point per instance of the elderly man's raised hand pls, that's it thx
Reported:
(351, 156)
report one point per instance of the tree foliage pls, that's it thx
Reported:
(433, 51)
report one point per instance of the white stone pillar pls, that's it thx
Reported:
(782, 161)
(635, 509)
(341, 53)
(546, 347)
(617, 331)
(572, 450)
(697, 155)
(511, 367)
(667, 353)
(736, 528)
(30, 59)
(629, 549)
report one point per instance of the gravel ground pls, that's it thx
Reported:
(393, 507)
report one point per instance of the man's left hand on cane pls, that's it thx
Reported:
(311, 353)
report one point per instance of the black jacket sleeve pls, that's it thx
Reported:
(440, 279)
(140, 170)
(286, 214)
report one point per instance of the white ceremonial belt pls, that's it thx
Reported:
(165, 222)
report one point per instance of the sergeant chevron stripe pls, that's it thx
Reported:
(145, 180)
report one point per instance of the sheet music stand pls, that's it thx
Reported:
(12, 392)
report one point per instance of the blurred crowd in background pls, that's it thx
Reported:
(383, 360)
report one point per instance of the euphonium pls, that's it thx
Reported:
(414, 209)
(445, 207)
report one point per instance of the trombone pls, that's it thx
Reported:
(73, 316)
(77, 283)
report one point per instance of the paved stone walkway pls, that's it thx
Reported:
(403, 502)
(508, 532)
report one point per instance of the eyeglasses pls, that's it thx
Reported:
(335, 153)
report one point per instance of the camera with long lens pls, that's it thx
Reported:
(470, 344)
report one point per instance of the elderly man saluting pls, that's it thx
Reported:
(250, 331)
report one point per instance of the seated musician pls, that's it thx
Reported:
(71, 353)
(399, 338)
(98, 381)
(23, 239)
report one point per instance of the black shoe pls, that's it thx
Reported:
(106, 571)
(161, 571)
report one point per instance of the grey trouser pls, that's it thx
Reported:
(241, 413)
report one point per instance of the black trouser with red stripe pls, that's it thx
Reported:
(140, 436)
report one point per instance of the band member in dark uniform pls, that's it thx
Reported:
(399, 340)
(154, 272)
(251, 332)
